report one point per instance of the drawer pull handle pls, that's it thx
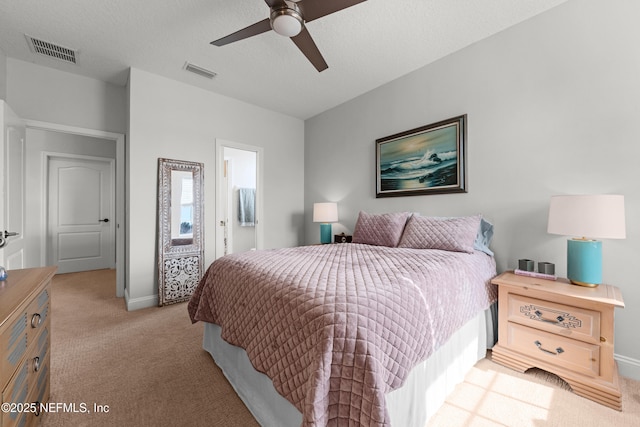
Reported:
(36, 364)
(37, 411)
(557, 352)
(36, 319)
(558, 319)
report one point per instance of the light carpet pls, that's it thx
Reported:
(149, 368)
(147, 365)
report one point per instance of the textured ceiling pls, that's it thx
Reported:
(365, 46)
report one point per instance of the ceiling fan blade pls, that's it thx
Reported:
(306, 44)
(252, 30)
(314, 9)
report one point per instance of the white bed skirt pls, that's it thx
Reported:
(422, 394)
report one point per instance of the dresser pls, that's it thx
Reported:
(25, 316)
(561, 328)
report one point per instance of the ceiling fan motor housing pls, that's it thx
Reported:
(287, 20)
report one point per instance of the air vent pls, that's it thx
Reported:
(203, 72)
(52, 50)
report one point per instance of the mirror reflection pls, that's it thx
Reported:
(181, 207)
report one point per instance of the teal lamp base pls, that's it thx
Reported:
(325, 233)
(584, 262)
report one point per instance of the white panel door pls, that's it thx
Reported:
(81, 231)
(12, 203)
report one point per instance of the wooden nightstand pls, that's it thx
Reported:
(563, 329)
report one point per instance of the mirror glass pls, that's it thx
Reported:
(180, 229)
(181, 207)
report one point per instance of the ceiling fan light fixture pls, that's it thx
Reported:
(286, 21)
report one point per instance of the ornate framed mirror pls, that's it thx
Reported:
(180, 229)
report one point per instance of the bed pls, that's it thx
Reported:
(375, 332)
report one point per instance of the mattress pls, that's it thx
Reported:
(412, 405)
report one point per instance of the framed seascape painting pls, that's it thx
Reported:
(426, 160)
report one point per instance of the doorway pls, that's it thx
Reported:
(119, 219)
(239, 225)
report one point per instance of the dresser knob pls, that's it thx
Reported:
(36, 319)
(36, 364)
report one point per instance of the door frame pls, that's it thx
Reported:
(220, 146)
(120, 199)
(47, 156)
(226, 197)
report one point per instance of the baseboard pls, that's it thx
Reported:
(139, 303)
(628, 367)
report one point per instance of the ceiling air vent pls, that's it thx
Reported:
(203, 72)
(52, 50)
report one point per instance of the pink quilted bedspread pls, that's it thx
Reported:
(337, 326)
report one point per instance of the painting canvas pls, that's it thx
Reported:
(426, 160)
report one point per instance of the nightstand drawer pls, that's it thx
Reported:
(574, 322)
(575, 355)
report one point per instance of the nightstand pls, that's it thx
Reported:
(563, 329)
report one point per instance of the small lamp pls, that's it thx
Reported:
(592, 217)
(325, 213)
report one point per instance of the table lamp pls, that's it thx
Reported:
(325, 213)
(591, 217)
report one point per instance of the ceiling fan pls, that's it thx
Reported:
(288, 19)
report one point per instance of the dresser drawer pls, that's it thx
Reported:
(38, 313)
(574, 322)
(23, 328)
(28, 383)
(575, 355)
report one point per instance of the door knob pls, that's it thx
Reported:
(104, 220)
(3, 237)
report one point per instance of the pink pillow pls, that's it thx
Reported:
(449, 234)
(380, 229)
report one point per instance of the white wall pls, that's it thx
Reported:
(44, 94)
(173, 120)
(552, 108)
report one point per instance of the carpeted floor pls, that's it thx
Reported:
(148, 367)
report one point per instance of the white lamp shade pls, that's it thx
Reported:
(593, 216)
(325, 212)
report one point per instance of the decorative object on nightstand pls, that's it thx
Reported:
(342, 238)
(325, 213)
(563, 329)
(592, 217)
(526, 264)
(546, 270)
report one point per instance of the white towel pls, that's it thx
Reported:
(246, 206)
